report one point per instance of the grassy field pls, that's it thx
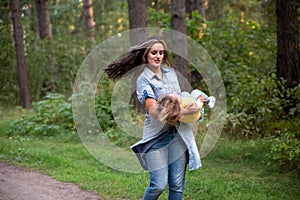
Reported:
(233, 170)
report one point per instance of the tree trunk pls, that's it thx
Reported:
(32, 18)
(199, 5)
(167, 6)
(288, 62)
(180, 41)
(137, 11)
(25, 99)
(45, 27)
(89, 19)
(189, 7)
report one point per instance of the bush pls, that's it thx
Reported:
(262, 109)
(285, 150)
(49, 117)
(259, 105)
(256, 99)
(102, 104)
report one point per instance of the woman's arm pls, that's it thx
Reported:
(190, 109)
(150, 106)
(193, 107)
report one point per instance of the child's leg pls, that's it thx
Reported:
(196, 93)
(210, 101)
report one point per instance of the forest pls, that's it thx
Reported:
(254, 44)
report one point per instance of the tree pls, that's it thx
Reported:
(189, 7)
(196, 5)
(32, 18)
(288, 62)
(89, 19)
(25, 99)
(137, 11)
(178, 24)
(164, 5)
(199, 5)
(45, 27)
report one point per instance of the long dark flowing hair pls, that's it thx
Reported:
(137, 56)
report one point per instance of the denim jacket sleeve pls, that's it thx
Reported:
(144, 90)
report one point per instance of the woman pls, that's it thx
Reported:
(165, 150)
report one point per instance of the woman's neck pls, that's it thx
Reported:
(157, 71)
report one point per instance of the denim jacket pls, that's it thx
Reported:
(150, 86)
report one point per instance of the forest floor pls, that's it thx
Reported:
(17, 183)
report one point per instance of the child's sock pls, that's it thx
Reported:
(211, 102)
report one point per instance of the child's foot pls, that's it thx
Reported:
(212, 101)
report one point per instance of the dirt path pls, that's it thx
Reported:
(17, 183)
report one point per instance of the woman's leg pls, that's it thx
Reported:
(157, 163)
(177, 168)
(158, 183)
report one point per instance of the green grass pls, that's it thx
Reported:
(233, 170)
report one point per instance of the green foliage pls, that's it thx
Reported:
(259, 105)
(105, 117)
(49, 117)
(102, 105)
(195, 25)
(8, 71)
(51, 70)
(158, 18)
(251, 85)
(285, 149)
(52, 64)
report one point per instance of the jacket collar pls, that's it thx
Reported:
(150, 74)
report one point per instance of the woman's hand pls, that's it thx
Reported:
(190, 108)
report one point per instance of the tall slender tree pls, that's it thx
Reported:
(89, 18)
(288, 56)
(199, 5)
(137, 10)
(32, 18)
(196, 5)
(180, 43)
(189, 7)
(44, 22)
(23, 80)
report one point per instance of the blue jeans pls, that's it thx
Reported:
(166, 161)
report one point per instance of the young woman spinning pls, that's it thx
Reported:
(165, 149)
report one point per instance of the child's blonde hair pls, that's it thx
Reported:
(169, 110)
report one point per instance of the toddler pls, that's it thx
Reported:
(170, 106)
